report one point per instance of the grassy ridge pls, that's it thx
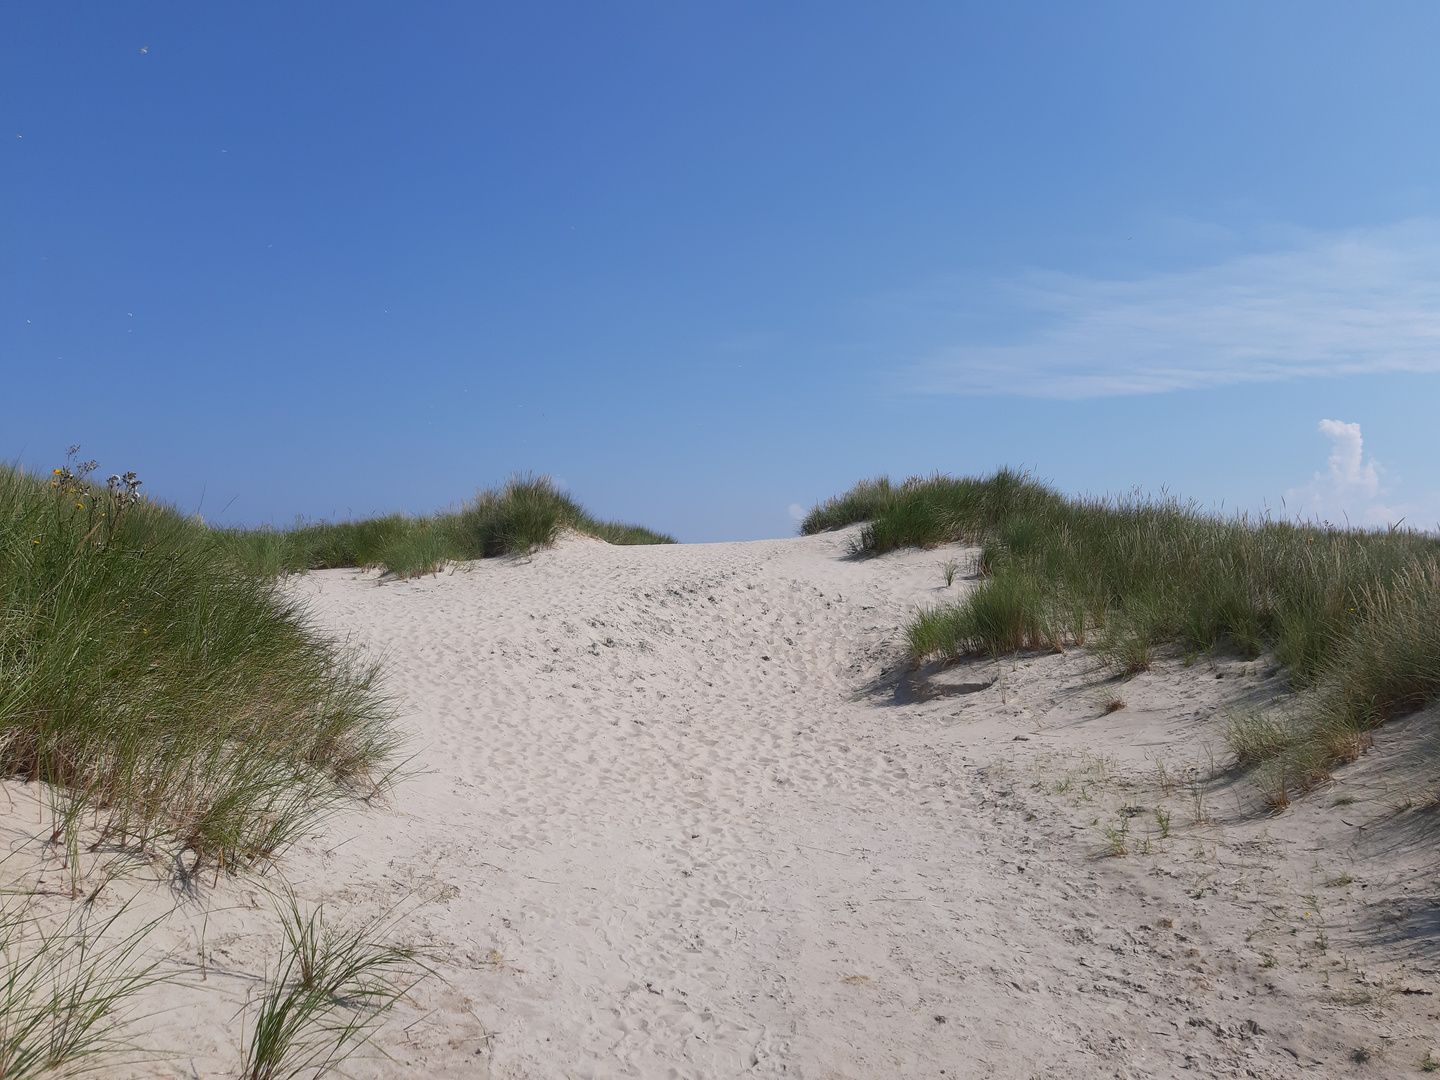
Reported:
(1354, 616)
(866, 501)
(524, 513)
(154, 676)
(168, 694)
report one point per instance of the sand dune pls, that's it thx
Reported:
(686, 812)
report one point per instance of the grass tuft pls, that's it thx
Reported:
(530, 512)
(1257, 737)
(62, 991)
(866, 501)
(950, 569)
(331, 987)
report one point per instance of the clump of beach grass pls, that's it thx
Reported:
(1352, 616)
(866, 501)
(532, 511)
(524, 513)
(169, 696)
(949, 570)
(331, 987)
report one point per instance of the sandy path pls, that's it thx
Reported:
(704, 858)
(671, 817)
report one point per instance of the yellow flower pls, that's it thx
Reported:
(57, 472)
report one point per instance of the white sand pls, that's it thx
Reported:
(680, 812)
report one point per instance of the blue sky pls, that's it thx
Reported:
(708, 263)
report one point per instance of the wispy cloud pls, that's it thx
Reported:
(1327, 304)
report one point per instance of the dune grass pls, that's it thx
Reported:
(1353, 616)
(332, 985)
(169, 695)
(62, 990)
(525, 513)
(866, 501)
(154, 676)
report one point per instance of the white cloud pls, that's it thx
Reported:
(797, 511)
(1349, 472)
(1348, 490)
(1327, 304)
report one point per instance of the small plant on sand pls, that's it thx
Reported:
(1130, 650)
(324, 999)
(999, 617)
(1162, 818)
(1428, 1063)
(1275, 780)
(1113, 704)
(1117, 838)
(527, 512)
(1357, 997)
(1199, 812)
(1166, 779)
(950, 569)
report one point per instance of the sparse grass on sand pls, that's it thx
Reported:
(62, 990)
(525, 513)
(169, 696)
(332, 985)
(1352, 615)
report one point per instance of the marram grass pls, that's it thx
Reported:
(525, 513)
(63, 988)
(1352, 616)
(333, 984)
(169, 695)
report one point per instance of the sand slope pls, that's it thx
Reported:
(683, 812)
